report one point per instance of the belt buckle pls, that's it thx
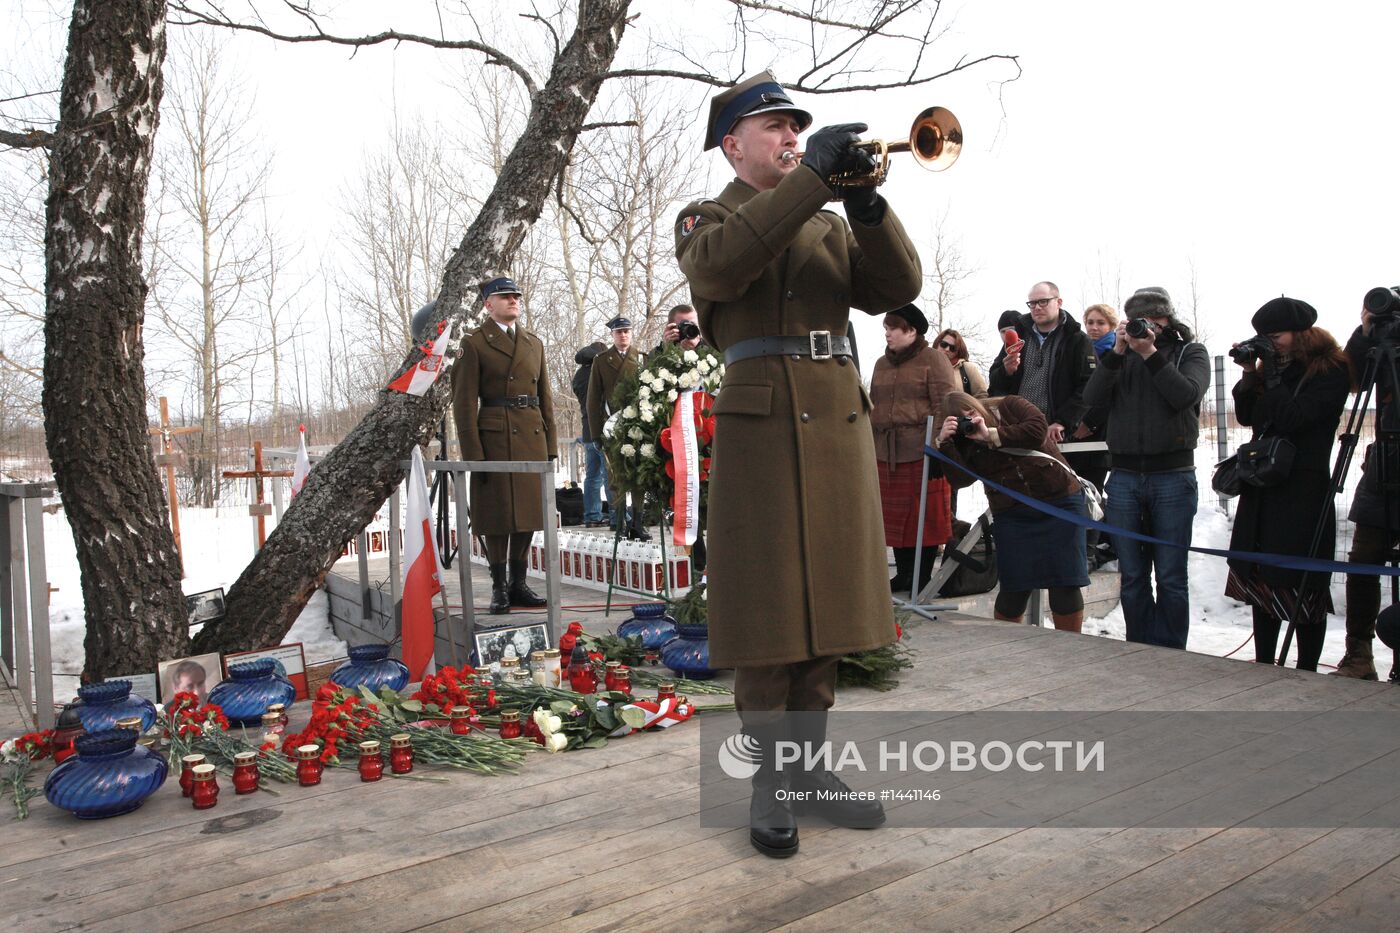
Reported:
(519, 401)
(820, 341)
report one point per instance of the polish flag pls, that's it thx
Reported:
(422, 576)
(303, 467)
(420, 378)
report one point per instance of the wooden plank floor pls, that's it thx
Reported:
(610, 839)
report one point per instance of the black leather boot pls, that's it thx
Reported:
(520, 593)
(500, 590)
(835, 805)
(903, 570)
(772, 825)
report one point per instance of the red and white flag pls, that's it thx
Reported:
(685, 448)
(422, 576)
(662, 714)
(419, 379)
(303, 466)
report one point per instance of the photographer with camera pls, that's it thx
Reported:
(1152, 383)
(682, 327)
(910, 381)
(1294, 387)
(1375, 506)
(1051, 362)
(1007, 440)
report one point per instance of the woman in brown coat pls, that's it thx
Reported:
(909, 385)
(1010, 445)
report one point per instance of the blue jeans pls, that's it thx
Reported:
(595, 477)
(1162, 505)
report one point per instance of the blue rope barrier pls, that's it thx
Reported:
(1272, 560)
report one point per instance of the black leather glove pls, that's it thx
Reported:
(1269, 369)
(829, 150)
(863, 204)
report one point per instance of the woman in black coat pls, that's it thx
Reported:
(1297, 392)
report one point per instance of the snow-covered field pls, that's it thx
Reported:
(219, 542)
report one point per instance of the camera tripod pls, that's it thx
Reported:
(1382, 359)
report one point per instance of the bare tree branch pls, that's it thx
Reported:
(494, 56)
(31, 139)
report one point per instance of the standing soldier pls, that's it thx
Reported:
(609, 368)
(504, 411)
(797, 566)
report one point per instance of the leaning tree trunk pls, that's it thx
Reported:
(346, 488)
(94, 380)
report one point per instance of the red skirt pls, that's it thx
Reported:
(899, 501)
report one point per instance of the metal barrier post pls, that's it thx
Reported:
(1222, 423)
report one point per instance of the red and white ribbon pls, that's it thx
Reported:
(685, 448)
(662, 715)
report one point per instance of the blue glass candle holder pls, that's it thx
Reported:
(252, 687)
(110, 775)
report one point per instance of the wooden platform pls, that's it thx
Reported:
(610, 839)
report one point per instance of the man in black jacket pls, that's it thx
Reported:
(1375, 514)
(595, 472)
(1051, 366)
(1152, 386)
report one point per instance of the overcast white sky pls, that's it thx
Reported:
(1254, 139)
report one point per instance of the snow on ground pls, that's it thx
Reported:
(218, 544)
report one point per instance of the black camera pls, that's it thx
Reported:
(966, 426)
(1140, 327)
(1247, 351)
(688, 330)
(1384, 305)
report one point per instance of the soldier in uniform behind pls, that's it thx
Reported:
(503, 409)
(609, 368)
(797, 568)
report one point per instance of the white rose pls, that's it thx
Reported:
(629, 412)
(555, 743)
(636, 434)
(672, 395)
(690, 356)
(7, 751)
(627, 450)
(705, 365)
(648, 415)
(667, 376)
(648, 450)
(644, 392)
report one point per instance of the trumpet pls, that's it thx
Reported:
(935, 140)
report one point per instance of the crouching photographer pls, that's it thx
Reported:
(1375, 505)
(1292, 393)
(1010, 445)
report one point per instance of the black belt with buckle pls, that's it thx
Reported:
(512, 401)
(818, 344)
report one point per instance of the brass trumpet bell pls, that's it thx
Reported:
(935, 140)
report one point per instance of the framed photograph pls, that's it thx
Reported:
(204, 607)
(198, 675)
(143, 685)
(291, 664)
(491, 644)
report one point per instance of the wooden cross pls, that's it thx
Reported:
(167, 459)
(259, 509)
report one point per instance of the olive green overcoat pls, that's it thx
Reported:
(797, 565)
(492, 366)
(608, 369)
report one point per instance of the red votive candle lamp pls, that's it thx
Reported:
(582, 677)
(459, 720)
(204, 791)
(622, 680)
(308, 765)
(371, 762)
(400, 753)
(245, 772)
(510, 724)
(187, 764)
(666, 691)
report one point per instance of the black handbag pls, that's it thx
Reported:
(1263, 462)
(1226, 479)
(1266, 462)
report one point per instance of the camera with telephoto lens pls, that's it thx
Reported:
(1140, 327)
(688, 330)
(1247, 351)
(1384, 306)
(966, 426)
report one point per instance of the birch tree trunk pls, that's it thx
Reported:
(94, 381)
